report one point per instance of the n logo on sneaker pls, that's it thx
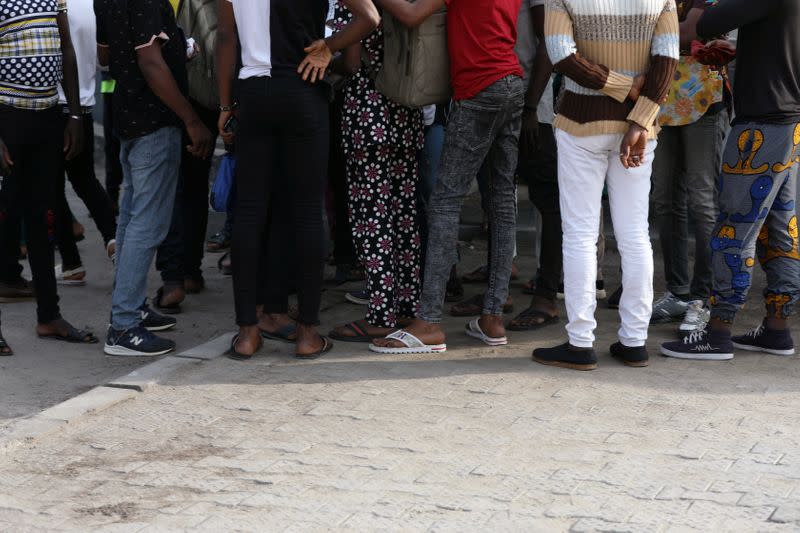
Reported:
(136, 341)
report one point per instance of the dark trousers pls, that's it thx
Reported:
(181, 254)
(80, 172)
(283, 137)
(343, 248)
(113, 166)
(541, 173)
(35, 141)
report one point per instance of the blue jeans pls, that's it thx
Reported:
(429, 159)
(150, 167)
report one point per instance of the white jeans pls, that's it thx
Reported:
(585, 164)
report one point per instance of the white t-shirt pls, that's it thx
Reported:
(252, 23)
(80, 14)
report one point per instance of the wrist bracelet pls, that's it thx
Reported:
(231, 107)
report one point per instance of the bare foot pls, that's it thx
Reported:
(64, 330)
(425, 331)
(249, 341)
(273, 323)
(172, 295)
(366, 327)
(309, 341)
(492, 325)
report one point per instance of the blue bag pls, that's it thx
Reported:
(222, 189)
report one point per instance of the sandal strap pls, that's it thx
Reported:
(411, 341)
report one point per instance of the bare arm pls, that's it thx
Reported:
(411, 15)
(365, 20)
(226, 53)
(73, 135)
(351, 60)
(542, 68)
(688, 28)
(160, 80)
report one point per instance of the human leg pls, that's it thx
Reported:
(80, 172)
(151, 166)
(702, 143)
(629, 193)
(582, 167)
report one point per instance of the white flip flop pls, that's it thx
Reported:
(413, 345)
(474, 330)
(63, 275)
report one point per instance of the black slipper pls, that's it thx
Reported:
(361, 334)
(282, 334)
(171, 309)
(73, 336)
(4, 345)
(236, 356)
(327, 346)
(533, 313)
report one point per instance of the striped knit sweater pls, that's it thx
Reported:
(600, 46)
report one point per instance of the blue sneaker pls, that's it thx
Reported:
(771, 341)
(703, 345)
(153, 321)
(136, 342)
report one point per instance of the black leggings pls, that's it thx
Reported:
(35, 141)
(80, 172)
(282, 156)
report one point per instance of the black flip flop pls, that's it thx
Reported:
(360, 334)
(4, 345)
(236, 356)
(533, 313)
(73, 336)
(327, 346)
(282, 334)
(171, 309)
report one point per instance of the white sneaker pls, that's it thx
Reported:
(668, 308)
(73, 278)
(697, 316)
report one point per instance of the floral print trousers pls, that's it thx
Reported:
(382, 206)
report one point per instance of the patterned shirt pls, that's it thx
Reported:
(125, 26)
(30, 53)
(368, 117)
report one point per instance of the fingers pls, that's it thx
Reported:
(625, 153)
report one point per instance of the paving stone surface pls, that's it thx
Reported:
(470, 439)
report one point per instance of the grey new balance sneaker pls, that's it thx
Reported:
(697, 316)
(668, 308)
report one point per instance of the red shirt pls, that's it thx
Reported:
(481, 35)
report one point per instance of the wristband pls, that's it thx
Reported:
(231, 107)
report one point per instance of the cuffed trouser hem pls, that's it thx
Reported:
(430, 320)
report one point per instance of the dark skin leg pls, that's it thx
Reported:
(430, 333)
(719, 325)
(542, 305)
(56, 327)
(308, 340)
(249, 340)
(425, 331)
(372, 331)
(272, 322)
(173, 295)
(777, 323)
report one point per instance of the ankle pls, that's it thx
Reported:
(776, 324)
